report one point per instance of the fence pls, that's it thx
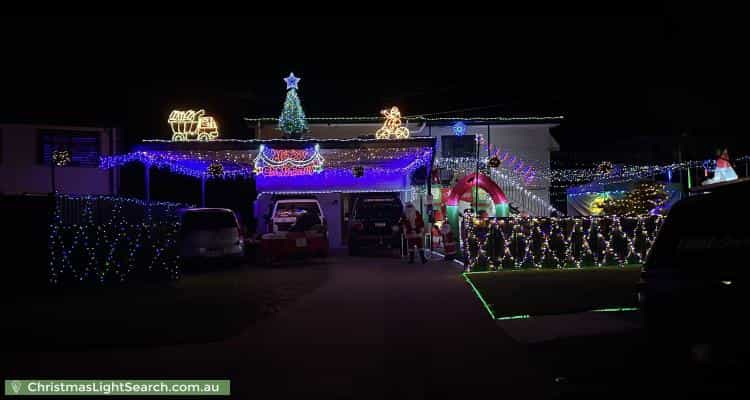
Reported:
(106, 239)
(548, 242)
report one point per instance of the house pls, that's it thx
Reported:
(522, 145)
(26, 159)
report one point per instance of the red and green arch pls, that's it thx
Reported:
(468, 183)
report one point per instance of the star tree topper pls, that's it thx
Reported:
(292, 81)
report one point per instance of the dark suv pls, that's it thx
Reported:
(374, 222)
(694, 284)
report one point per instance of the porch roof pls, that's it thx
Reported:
(322, 165)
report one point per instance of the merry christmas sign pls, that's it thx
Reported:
(288, 162)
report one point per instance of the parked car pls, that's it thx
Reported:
(286, 211)
(210, 233)
(307, 237)
(374, 222)
(694, 284)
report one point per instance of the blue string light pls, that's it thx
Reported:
(99, 246)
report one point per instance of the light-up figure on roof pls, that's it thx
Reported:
(192, 125)
(392, 128)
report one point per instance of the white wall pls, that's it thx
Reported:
(533, 143)
(21, 172)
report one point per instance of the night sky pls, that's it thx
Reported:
(613, 77)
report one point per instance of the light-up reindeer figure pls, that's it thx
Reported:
(392, 128)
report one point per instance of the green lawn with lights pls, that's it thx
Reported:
(520, 293)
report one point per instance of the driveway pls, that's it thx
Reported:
(378, 328)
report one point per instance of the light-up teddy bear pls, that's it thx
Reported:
(392, 128)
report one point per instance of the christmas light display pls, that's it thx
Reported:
(643, 199)
(511, 164)
(288, 162)
(512, 184)
(111, 238)
(467, 276)
(565, 177)
(215, 170)
(192, 125)
(493, 162)
(388, 167)
(61, 157)
(292, 120)
(517, 243)
(190, 163)
(605, 167)
(292, 82)
(392, 128)
(459, 128)
(422, 118)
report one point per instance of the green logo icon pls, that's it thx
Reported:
(16, 386)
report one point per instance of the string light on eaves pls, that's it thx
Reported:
(282, 140)
(385, 162)
(419, 118)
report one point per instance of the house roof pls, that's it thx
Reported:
(419, 119)
(254, 144)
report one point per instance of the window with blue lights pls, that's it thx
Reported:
(458, 146)
(84, 147)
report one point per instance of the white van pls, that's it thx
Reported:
(286, 211)
(210, 233)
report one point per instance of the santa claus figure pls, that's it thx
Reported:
(449, 243)
(413, 228)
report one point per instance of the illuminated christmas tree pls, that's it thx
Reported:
(292, 120)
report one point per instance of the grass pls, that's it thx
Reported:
(200, 307)
(524, 293)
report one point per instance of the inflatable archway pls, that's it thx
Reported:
(467, 183)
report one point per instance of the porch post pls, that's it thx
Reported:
(52, 174)
(147, 181)
(203, 191)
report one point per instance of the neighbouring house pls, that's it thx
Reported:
(26, 155)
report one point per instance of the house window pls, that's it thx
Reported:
(458, 146)
(84, 147)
